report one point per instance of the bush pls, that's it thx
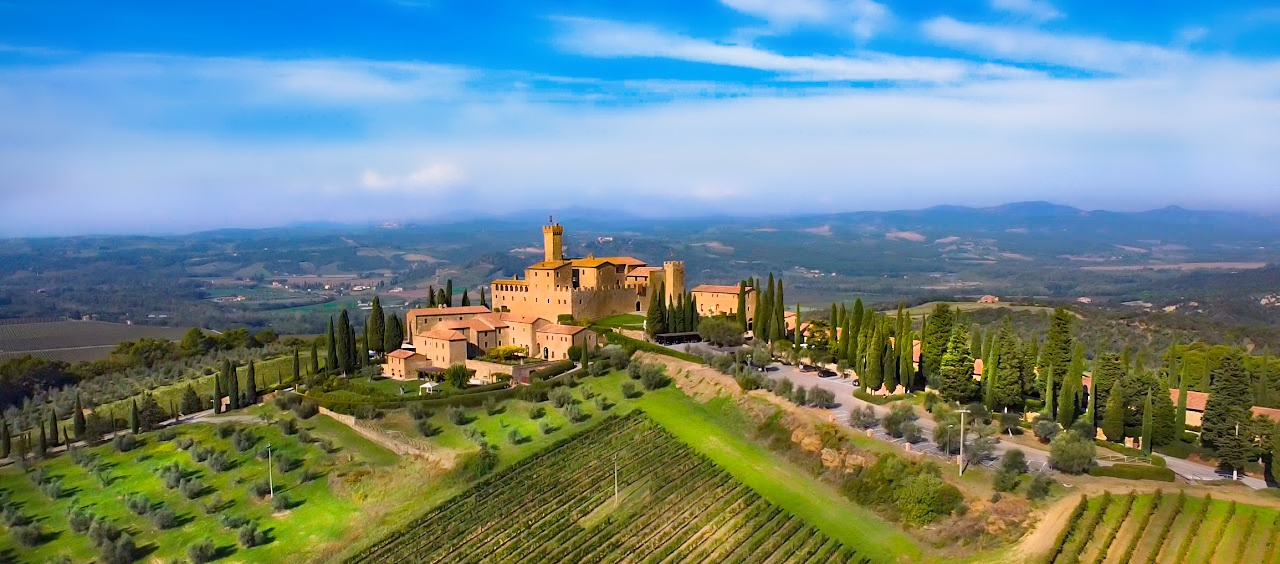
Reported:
(560, 397)
(573, 412)
(912, 432)
(191, 488)
(200, 454)
(80, 519)
(172, 475)
(1046, 429)
(124, 442)
(27, 535)
(281, 502)
(629, 390)
(514, 437)
(13, 517)
(456, 415)
(52, 488)
(924, 498)
(419, 411)
(164, 518)
(546, 428)
(548, 372)
(367, 412)
(233, 521)
(822, 398)
(477, 465)
(863, 417)
(1039, 487)
(1071, 453)
(219, 462)
(250, 536)
(425, 428)
(120, 551)
(288, 426)
(537, 412)
(138, 503)
(898, 414)
(1005, 481)
(1134, 472)
(226, 430)
(260, 488)
(602, 403)
(306, 409)
(167, 434)
(243, 440)
(635, 344)
(654, 377)
(203, 551)
(185, 443)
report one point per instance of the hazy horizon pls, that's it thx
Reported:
(161, 119)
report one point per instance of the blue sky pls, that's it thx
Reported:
(181, 116)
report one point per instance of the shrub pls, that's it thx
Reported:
(551, 371)
(475, 435)
(172, 475)
(260, 488)
(367, 412)
(164, 518)
(1005, 481)
(1134, 472)
(243, 440)
(219, 462)
(281, 502)
(784, 388)
(1071, 453)
(226, 430)
(924, 498)
(306, 409)
(654, 377)
(52, 488)
(629, 390)
(288, 426)
(80, 519)
(456, 415)
(573, 412)
(545, 427)
(232, 521)
(1010, 423)
(124, 442)
(1084, 429)
(930, 399)
(587, 394)
(13, 517)
(560, 397)
(603, 404)
(200, 454)
(120, 551)
(250, 536)
(286, 463)
(912, 432)
(1014, 460)
(1046, 429)
(138, 503)
(419, 411)
(514, 437)
(167, 434)
(27, 535)
(863, 417)
(425, 428)
(203, 551)
(822, 398)
(1039, 487)
(897, 416)
(537, 412)
(191, 488)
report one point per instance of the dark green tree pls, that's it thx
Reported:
(1148, 418)
(233, 386)
(191, 402)
(484, 302)
(1113, 416)
(1055, 356)
(448, 293)
(1108, 369)
(53, 428)
(955, 374)
(135, 423)
(655, 322)
(937, 333)
(42, 444)
(778, 325)
(740, 314)
(331, 359)
(1180, 419)
(217, 395)
(764, 314)
(251, 393)
(297, 365)
(346, 346)
(1162, 427)
(1228, 404)
(78, 424)
(6, 440)
(314, 361)
(376, 328)
(466, 299)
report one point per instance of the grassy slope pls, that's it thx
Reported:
(713, 432)
(322, 517)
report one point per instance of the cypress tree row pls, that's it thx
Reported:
(375, 328)
(431, 296)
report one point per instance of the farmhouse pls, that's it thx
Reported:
(723, 300)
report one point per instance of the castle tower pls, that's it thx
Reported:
(553, 241)
(673, 271)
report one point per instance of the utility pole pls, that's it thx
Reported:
(271, 484)
(1235, 472)
(962, 412)
(615, 480)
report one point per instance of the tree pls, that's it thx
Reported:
(778, 325)
(466, 299)
(1180, 419)
(1055, 357)
(251, 394)
(1048, 394)
(233, 386)
(936, 336)
(78, 423)
(331, 359)
(872, 377)
(1147, 419)
(457, 376)
(42, 444)
(135, 423)
(1113, 416)
(764, 313)
(484, 302)
(53, 428)
(376, 328)
(6, 440)
(1072, 388)
(721, 331)
(1162, 426)
(393, 334)
(191, 402)
(448, 293)
(740, 314)
(1108, 369)
(1071, 453)
(217, 395)
(655, 322)
(297, 365)
(1228, 404)
(956, 371)
(346, 344)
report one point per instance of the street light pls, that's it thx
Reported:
(962, 412)
(271, 484)
(1235, 472)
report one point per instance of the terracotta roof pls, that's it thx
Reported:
(459, 310)
(444, 335)
(1195, 400)
(549, 265)
(401, 353)
(474, 324)
(644, 270)
(591, 262)
(977, 367)
(511, 281)
(1268, 412)
(517, 318)
(557, 329)
(716, 289)
(629, 261)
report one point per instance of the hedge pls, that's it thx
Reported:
(552, 371)
(1156, 460)
(879, 400)
(1134, 472)
(474, 397)
(625, 341)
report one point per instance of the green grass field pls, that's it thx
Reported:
(1223, 531)
(325, 512)
(622, 321)
(926, 308)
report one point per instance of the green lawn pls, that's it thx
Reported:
(622, 320)
(324, 515)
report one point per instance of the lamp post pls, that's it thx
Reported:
(962, 412)
(1235, 472)
(271, 484)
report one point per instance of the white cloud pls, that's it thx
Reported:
(1192, 34)
(861, 18)
(1035, 46)
(431, 179)
(1037, 10)
(604, 38)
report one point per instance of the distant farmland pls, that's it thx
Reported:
(74, 341)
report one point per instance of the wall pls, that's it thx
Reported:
(487, 371)
(597, 304)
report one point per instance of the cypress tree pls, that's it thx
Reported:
(1048, 394)
(42, 444)
(331, 360)
(135, 423)
(1113, 416)
(297, 366)
(1180, 418)
(1091, 413)
(873, 378)
(315, 358)
(1107, 370)
(654, 323)
(233, 387)
(6, 441)
(466, 299)
(799, 336)
(484, 302)
(906, 371)
(991, 376)
(448, 292)
(1008, 382)
(251, 394)
(764, 315)
(376, 328)
(431, 296)
(362, 351)
(78, 424)
(1066, 414)
(1229, 402)
(352, 347)
(1147, 415)
(217, 395)
(778, 327)
(346, 360)
(740, 314)
(956, 371)
(891, 376)
(53, 428)
(936, 337)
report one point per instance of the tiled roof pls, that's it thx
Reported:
(557, 329)
(713, 288)
(591, 262)
(549, 265)
(459, 310)
(1268, 412)
(1195, 400)
(474, 324)
(444, 335)
(401, 353)
(517, 318)
(629, 261)
(977, 367)
(644, 270)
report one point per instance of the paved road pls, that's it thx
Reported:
(1037, 459)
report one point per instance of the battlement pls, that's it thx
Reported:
(555, 229)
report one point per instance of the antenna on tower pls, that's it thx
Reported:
(551, 219)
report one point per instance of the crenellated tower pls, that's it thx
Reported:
(553, 242)
(673, 282)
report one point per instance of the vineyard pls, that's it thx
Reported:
(1167, 527)
(669, 504)
(74, 341)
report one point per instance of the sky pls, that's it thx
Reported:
(172, 117)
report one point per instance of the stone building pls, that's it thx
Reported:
(723, 300)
